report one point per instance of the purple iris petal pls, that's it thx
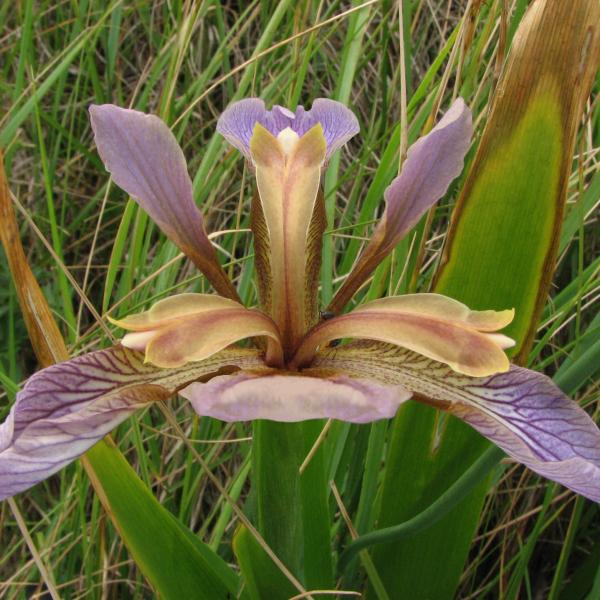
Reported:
(237, 123)
(279, 118)
(525, 414)
(292, 398)
(64, 410)
(521, 411)
(432, 162)
(145, 160)
(338, 122)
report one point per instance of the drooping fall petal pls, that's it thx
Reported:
(288, 183)
(437, 327)
(237, 122)
(431, 164)
(192, 327)
(290, 398)
(65, 409)
(520, 410)
(145, 160)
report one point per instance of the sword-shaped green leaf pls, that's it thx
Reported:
(176, 562)
(293, 510)
(500, 253)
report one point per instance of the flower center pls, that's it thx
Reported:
(288, 139)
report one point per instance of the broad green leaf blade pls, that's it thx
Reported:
(177, 564)
(276, 456)
(293, 510)
(500, 254)
(316, 521)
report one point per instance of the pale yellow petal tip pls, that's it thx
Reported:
(136, 322)
(501, 340)
(508, 316)
(115, 322)
(265, 149)
(138, 340)
(491, 320)
(312, 147)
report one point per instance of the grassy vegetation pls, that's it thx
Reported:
(186, 61)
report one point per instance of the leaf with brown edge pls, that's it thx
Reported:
(46, 340)
(499, 253)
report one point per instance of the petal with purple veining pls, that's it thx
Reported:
(525, 414)
(338, 121)
(65, 409)
(521, 411)
(237, 122)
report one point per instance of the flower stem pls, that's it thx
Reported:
(433, 513)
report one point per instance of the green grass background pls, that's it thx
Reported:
(186, 62)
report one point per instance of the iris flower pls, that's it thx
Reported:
(422, 346)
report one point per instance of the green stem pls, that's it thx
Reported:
(433, 513)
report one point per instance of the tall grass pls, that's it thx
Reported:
(186, 61)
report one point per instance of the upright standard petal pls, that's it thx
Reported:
(237, 122)
(520, 410)
(145, 160)
(339, 123)
(292, 398)
(192, 327)
(288, 184)
(65, 409)
(437, 327)
(432, 162)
